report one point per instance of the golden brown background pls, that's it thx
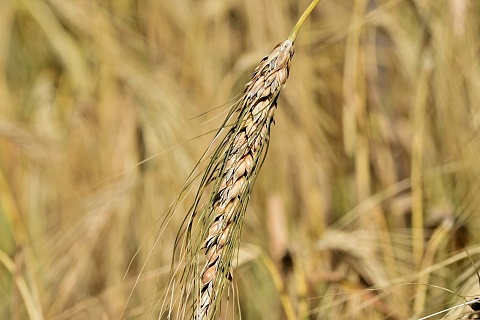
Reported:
(371, 181)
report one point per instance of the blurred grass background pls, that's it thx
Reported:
(371, 182)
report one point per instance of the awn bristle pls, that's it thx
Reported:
(232, 170)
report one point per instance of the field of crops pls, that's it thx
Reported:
(365, 207)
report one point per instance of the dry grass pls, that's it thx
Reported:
(373, 163)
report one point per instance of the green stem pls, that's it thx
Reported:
(293, 35)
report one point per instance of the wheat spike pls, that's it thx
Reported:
(242, 159)
(230, 175)
(228, 180)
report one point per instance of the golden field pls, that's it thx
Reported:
(365, 207)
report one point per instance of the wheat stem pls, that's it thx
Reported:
(293, 34)
(277, 280)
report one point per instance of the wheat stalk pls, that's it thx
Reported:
(229, 176)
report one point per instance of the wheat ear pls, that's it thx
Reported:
(237, 170)
(229, 176)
